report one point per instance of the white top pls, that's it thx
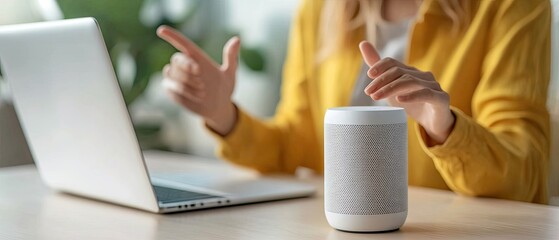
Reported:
(363, 115)
(392, 40)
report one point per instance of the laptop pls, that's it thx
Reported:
(80, 133)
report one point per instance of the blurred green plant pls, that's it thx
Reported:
(121, 26)
(124, 33)
(127, 36)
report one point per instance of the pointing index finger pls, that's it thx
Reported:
(179, 41)
(370, 54)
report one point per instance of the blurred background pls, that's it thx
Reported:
(138, 56)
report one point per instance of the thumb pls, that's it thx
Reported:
(231, 54)
(369, 53)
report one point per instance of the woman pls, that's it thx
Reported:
(471, 75)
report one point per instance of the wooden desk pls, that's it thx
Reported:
(29, 210)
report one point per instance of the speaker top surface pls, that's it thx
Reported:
(364, 115)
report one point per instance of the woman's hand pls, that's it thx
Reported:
(417, 92)
(199, 84)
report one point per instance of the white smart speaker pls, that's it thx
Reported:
(366, 168)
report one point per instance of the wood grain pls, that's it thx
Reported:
(30, 210)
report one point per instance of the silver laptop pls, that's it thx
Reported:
(80, 133)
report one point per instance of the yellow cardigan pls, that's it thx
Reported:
(496, 72)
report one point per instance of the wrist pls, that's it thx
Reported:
(224, 121)
(439, 132)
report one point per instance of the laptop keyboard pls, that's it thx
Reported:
(169, 195)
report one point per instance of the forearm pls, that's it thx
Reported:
(479, 161)
(267, 146)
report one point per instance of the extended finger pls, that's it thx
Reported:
(385, 78)
(182, 43)
(384, 65)
(424, 95)
(369, 53)
(405, 84)
(231, 55)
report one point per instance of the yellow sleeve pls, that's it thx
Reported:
(502, 150)
(282, 143)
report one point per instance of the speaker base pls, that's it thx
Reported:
(366, 223)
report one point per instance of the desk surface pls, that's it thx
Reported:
(29, 210)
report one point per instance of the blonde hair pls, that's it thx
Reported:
(346, 18)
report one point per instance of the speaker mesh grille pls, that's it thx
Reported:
(366, 169)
